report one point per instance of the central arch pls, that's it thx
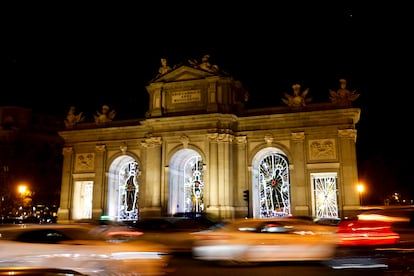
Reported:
(186, 182)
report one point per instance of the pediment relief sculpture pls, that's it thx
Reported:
(185, 71)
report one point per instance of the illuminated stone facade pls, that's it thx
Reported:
(199, 149)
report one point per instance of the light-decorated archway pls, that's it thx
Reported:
(186, 182)
(123, 189)
(271, 184)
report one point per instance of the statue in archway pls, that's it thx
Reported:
(198, 205)
(130, 195)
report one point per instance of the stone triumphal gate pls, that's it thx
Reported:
(198, 149)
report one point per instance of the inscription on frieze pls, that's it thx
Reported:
(186, 96)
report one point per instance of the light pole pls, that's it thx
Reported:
(360, 189)
(22, 192)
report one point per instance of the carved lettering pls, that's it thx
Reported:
(185, 96)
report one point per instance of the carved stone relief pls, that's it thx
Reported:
(84, 161)
(322, 149)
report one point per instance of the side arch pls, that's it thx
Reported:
(270, 183)
(123, 189)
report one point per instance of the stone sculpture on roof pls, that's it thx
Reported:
(105, 116)
(343, 96)
(298, 100)
(205, 64)
(165, 68)
(73, 119)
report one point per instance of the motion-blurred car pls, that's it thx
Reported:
(381, 225)
(174, 232)
(355, 232)
(380, 236)
(111, 230)
(243, 241)
(401, 219)
(38, 271)
(82, 248)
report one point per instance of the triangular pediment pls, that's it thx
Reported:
(183, 73)
(194, 88)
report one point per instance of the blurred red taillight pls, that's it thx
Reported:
(356, 232)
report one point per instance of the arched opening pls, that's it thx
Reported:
(186, 183)
(123, 189)
(271, 192)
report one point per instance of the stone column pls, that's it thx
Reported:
(212, 162)
(152, 189)
(66, 188)
(242, 179)
(225, 183)
(348, 191)
(99, 183)
(299, 178)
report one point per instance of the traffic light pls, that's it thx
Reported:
(246, 195)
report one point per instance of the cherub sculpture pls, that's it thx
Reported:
(298, 99)
(343, 96)
(205, 64)
(165, 68)
(105, 116)
(72, 119)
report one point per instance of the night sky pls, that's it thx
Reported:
(57, 55)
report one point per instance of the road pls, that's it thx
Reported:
(396, 263)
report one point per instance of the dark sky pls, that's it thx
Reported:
(57, 55)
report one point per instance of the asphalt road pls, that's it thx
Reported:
(349, 261)
(185, 265)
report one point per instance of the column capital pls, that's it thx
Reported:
(348, 133)
(240, 139)
(67, 150)
(298, 136)
(100, 148)
(152, 142)
(220, 137)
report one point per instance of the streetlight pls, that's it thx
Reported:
(360, 189)
(24, 194)
(22, 190)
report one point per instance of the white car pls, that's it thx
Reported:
(80, 248)
(174, 232)
(243, 241)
